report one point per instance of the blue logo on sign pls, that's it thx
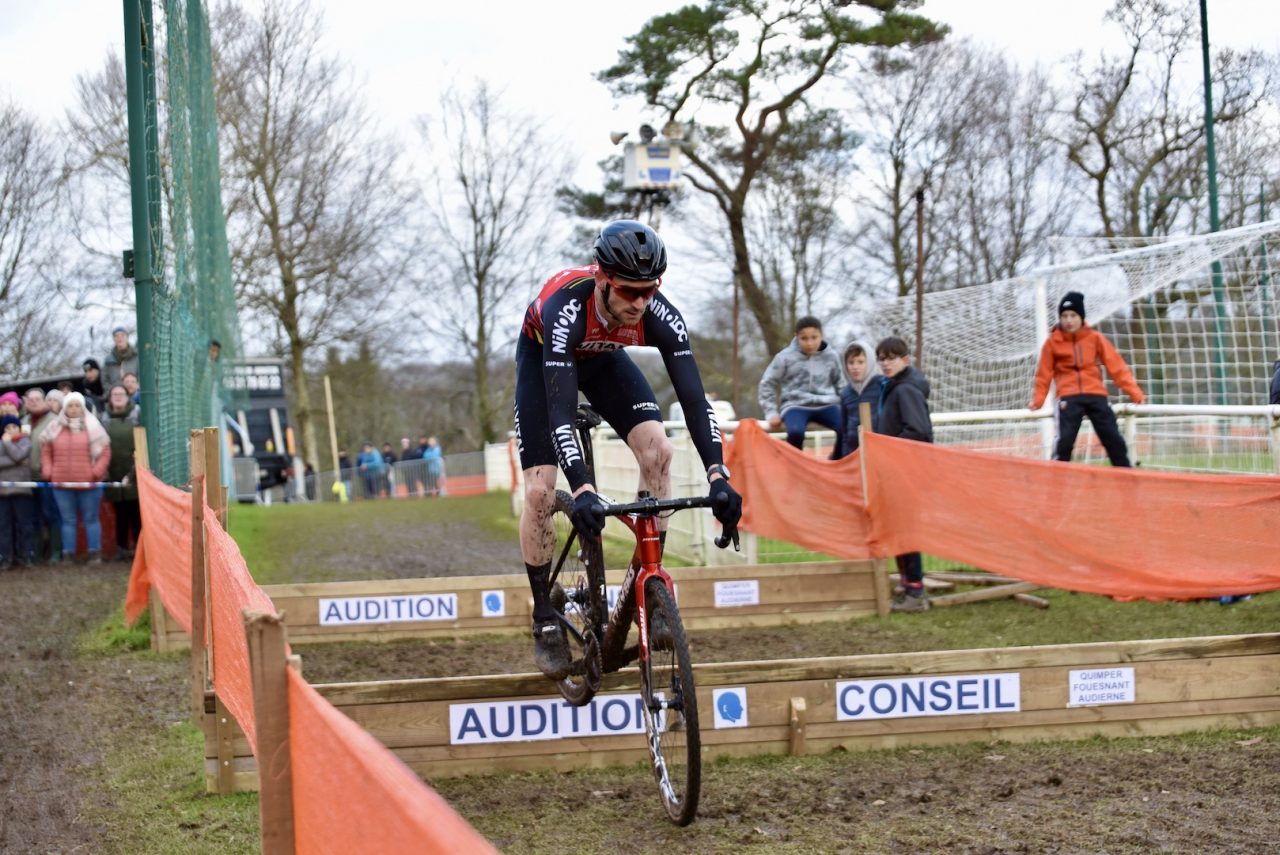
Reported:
(729, 705)
(492, 603)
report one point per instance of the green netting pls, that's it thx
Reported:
(194, 296)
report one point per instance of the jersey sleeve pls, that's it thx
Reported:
(564, 324)
(665, 329)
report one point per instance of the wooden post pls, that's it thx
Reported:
(878, 565)
(268, 669)
(796, 722)
(159, 622)
(990, 592)
(199, 581)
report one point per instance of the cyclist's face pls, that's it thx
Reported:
(628, 298)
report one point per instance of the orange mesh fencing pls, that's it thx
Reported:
(1128, 533)
(231, 591)
(1121, 532)
(352, 795)
(164, 551)
(796, 497)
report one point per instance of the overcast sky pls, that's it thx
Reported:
(541, 55)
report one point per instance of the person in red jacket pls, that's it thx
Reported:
(1071, 358)
(74, 457)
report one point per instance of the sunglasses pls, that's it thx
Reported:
(631, 292)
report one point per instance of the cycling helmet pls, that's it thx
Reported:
(631, 250)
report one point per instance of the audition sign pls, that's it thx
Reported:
(342, 611)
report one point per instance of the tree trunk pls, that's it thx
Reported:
(302, 404)
(772, 329)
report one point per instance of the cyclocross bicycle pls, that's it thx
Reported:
(597, 636)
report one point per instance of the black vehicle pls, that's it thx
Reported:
(258, 419)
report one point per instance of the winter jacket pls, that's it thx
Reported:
(851, 396)
(15, 464)
(1072, 360)
(371, 460)
(434, 458)
(66, 457)
(904, 406)
(117, 364)
(805, 380)
(120, 428)
(1275, 385)
(38, 426)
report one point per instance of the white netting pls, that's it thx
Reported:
(1195, 318)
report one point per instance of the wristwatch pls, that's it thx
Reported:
(718, 467)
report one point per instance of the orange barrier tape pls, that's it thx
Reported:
(352, 795)
(164, 551)
(1127, 533)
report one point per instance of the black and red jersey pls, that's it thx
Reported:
(565, 321)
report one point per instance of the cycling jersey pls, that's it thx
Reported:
(565, 339)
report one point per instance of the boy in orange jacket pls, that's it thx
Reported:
(1070, 358)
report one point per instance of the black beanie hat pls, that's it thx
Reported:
(1074, 301)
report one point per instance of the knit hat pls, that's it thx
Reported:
(91, 363)
(73, 398)
(12, 398)
(5, 421)
(54, 396)
(1074, 301)
(119, 329)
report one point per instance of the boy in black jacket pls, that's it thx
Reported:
(904, 412)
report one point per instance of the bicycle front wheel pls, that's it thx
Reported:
(671, 707)
(577, 595)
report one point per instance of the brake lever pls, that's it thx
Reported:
(723, 540)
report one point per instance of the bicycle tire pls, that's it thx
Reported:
(675, 743)
(578, 596)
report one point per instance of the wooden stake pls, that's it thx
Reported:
(796, 722)
(966, 578)
(199, 582)
(878, 580)
(268, 668)
(1031, 600)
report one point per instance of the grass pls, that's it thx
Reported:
(114, 636)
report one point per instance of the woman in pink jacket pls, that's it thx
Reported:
(75, 454)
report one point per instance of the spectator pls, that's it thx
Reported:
(372, 470)
(802, 385)
(864, 388)
(17, 508)
(1275, 385)
(54, 398)
(10, 404)
(134, 388)
(65, 388)
(1071, 357)
(121, 360)
(413, 470)
(389, 458)
(40, 414)
(91, 386)
(122, 418)
(434, 459)
(904, 413)
(77, 450)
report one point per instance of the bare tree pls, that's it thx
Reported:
(34, 340)
(1137, 130)
(755, 67)
(316, 204)
(489, 207)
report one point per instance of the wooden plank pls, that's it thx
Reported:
(993, 592)
(965, 578)
(160, 630)
(1032, 600)
(226, 731)
(797, 712)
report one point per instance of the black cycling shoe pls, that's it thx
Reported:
(550, 651)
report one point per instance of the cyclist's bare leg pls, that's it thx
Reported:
(653, 451)
(537, 535)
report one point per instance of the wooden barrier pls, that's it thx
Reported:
(810, 706)
(782, 594)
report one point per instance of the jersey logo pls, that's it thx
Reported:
(567, 447)
(664, 313)
(565, 318)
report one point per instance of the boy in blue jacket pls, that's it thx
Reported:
(864, 377)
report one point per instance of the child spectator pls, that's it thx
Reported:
(864, 388)
(802, 385)
(904, 413)
(10, 403)
(1070, 358)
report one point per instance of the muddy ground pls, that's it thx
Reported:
(62, 710)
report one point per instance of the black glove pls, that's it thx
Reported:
(726, 504)
(588, 515)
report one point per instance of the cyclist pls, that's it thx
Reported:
(572, 339)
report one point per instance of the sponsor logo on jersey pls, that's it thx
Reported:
(663, 312)
(566, 446)
(565, 318)
(647, 406)
(551, 363)
(711, 417)
(683, 353)
(600, 346)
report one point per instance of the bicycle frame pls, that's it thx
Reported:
(630, 608)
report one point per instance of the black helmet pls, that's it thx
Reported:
(631, 250)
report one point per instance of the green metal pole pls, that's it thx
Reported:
(1264, 281)
(1219, 297)
(139, 62)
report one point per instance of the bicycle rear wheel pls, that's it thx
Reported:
(578, 595)
(671, 707)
